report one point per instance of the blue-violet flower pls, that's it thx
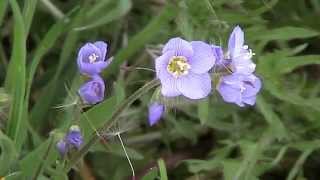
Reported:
(183, 68)
(239, 89)
(72, 140)
(239, 53)
(91, 58)
(155, 112)
(92, 91)
(74, 137)
(62, 147)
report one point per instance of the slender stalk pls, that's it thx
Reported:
(127, 156)
(56, 12)
(109, 123)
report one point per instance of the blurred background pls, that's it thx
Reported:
(276, 139)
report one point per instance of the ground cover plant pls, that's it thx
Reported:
(159, 89)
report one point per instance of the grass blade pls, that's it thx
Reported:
(15, 80)
(139, 40)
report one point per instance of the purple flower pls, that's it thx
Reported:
(155, 112)
(61, 147)
(74, 137)
(239, 53)
(239, 89)
(91, 58)
(72, 140)
(92, 91)
(183, 68)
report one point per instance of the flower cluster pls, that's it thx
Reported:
(241, 85)
(184, 69)
(72, 140)
(91, 61)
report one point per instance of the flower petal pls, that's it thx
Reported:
(168, 82)
(179, 46)
(155, 112)
(92, 91)
(103, 48)
(243, 65)
(229, 94)
(203, 58)
(236, 41)
(85, 67)
(195, 86)
(249, 100)
(252, 86)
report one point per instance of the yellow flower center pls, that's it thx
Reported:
(178, 66)
(92, 58)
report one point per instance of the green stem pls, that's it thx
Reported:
(109, 123)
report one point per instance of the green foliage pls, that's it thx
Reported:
(206, 139)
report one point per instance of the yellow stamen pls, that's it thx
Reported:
(93, 57)
(178, 66)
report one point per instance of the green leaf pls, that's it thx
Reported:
(298, 166)
(8, 155)
(28, 12)
(42, 106)
(42, 157)
(162, 169)
(139, 40)
(117, 150)
(3, 8)
(288, 64)
(14, 176)
(287, 33)
(96, 116)
(16, 73)
(203, 111)
(120, 91)
(44, 46)
(272, 118)
(151, 175)
(270, 67)
(122, 7)
(229, 168)
(184, 128)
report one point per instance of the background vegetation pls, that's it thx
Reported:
(276, 139)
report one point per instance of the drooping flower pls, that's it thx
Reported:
(183, 68)
(91, 58)
(74, 137)
(239, 88)
(239, 53)
(92, 91)
(155, 112)
(72, 140)
(62, 147)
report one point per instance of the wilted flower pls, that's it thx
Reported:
(92, 91)
(72, 140)
(239, 89)
(91, 58)
(183, 68)
(239, 53)
(155, 112)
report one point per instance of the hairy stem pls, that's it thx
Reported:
(109, 123)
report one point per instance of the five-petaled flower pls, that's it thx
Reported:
(92, 91)
(91, 58)
(156, 110)
(183, 68)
